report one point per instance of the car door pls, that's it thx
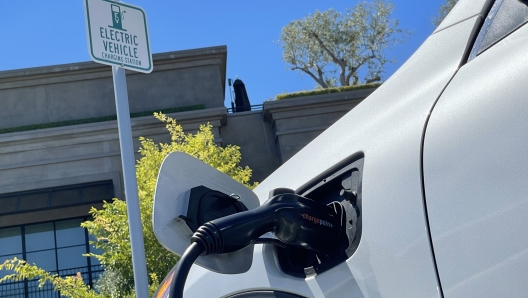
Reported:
(475, 164)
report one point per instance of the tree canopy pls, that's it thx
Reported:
(443, 11)
(348, 49)
(110, 224)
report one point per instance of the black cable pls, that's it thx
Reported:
(182, 269)
(295, 221)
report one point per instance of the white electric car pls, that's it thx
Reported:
(437, 158)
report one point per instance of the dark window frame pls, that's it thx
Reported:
(50, 191)
(494, 18)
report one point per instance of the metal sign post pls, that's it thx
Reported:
(131, 191)
(123, 43)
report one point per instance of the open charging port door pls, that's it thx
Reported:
(189, 193)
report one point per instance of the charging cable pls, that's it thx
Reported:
(293, 219)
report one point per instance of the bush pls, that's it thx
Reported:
(326, 91)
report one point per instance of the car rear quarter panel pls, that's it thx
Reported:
(394, 257)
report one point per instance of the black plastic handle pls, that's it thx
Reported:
(295, 221)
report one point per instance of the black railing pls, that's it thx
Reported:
(31, 289)
(244, 109)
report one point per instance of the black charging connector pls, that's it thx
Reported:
(295, 220)
(206, 204)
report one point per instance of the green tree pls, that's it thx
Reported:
(443, 11)
(347, 49)
(110, 224)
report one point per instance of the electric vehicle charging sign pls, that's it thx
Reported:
(118, 35)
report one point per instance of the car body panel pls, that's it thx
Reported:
(476, 173)
(394, 257)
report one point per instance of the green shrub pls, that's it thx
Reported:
(326, 91)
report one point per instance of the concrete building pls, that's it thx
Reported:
(59, 146)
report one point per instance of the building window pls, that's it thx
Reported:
(57, 247)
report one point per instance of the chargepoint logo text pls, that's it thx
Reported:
(317, 221)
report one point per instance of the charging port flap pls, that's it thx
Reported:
(187, 185)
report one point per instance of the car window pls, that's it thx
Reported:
(504, 17)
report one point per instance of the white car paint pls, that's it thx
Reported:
(394, 257)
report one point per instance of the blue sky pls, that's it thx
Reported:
(49, 32)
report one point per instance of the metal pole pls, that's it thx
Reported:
(131, 191)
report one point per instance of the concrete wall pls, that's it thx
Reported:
(297, 121)
(270, 137)
(256, 140)
(82, 153)
(85, 90)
